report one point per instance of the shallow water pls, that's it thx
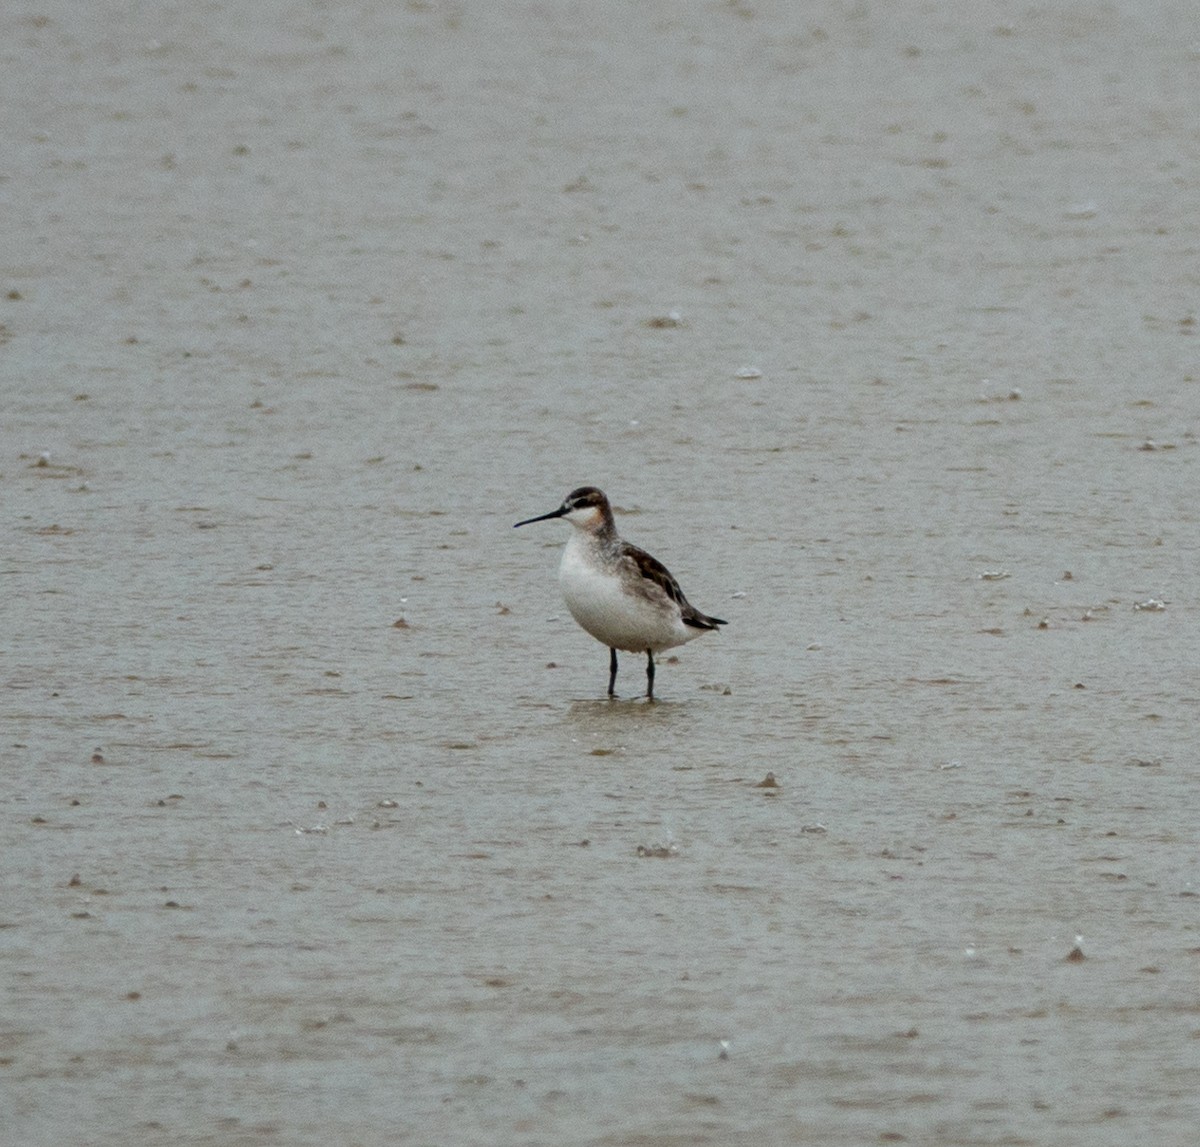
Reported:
(305, 306)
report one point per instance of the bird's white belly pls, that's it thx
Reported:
(621, 619)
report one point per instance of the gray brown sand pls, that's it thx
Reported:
(878, 324)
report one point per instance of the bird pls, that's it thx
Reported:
(618, 593)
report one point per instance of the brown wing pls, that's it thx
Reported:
(657, 579)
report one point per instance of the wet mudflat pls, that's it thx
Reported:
(876, 324)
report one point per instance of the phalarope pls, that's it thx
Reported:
(617, 592)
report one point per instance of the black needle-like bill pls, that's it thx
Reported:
(543, 517)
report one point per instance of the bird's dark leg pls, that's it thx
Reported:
(612, 672)
(649, 674)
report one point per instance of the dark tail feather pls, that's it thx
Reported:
(698, 620)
